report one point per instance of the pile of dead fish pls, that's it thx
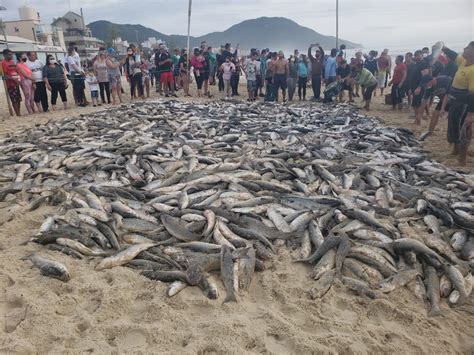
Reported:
(183, 190)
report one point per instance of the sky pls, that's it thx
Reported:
(374, 23)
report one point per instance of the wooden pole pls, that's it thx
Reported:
(337, 24)
(10, 108)
(187, 47)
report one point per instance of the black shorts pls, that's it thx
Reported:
(417, 99)
(14, 93)
(368, 92)
(280, 81)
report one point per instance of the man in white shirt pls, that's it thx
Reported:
(39, 87)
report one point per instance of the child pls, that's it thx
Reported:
(93, 83)
(227, 68)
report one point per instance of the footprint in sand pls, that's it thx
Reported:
(14, 310)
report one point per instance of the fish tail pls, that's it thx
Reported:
(434, 312)
(230, 297)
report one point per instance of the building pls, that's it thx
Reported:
(152, 42)
(75, 31)
(29, 26)
(120, 46)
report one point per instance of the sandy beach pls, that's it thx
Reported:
(118, 311)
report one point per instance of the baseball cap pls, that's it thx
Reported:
(111, 51)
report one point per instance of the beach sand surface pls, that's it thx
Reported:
(119, 311)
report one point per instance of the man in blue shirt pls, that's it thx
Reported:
(330, 70)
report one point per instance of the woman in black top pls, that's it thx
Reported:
(184, 66)
(55, 80)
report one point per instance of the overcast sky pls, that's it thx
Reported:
(375, 23)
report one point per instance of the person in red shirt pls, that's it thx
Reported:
(10, 74)
(397, 82)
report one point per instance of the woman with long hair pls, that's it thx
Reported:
(113, 72)
(197, 62)
(56, 81)
(26, 82)
(100, 71)
(134, 73)
(302, 77)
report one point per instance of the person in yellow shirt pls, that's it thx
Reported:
(461, 102)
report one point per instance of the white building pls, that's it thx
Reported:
(75, 31)
(29, 26)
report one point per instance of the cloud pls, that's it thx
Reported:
(372, 22)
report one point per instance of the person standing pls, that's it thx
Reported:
(113, 72)
(144, 66)
(226, 69)
(421, 68)
(93, 83)
(166, 66)
(219, 61)
(101, 73)
(367, 81)
(292, 80)
(175, 58)
(384, 64)
(354, 61)
(39, 87)
(280, 77)
(212, 66)
(235, 78)
(317, 65)
(134, 73)
(461, 103)
(269, 77)
(184, 71)
(397, 83)
(77, 75)
(302, 77)
(10, 73)
(26, 82)
(410, 67)
(330, 68)
(251, 69)
(56, 81)
(263, 71)
(371, 62)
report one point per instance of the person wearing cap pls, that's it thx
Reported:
(461, 102)
(397, 82)
(436, 87)
(317, 65)
(10, 74)
(343, 75)
(113, 72)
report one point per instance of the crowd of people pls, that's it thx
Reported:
(422, 78)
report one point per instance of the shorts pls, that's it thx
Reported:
(381, 80)
(346, 87)
(114, 80)
(259, 81)
(417, 99)
(94, 94)
(14, 93)
(251, 85)
(368, 92)
(166, 77)
(456, 117)
(204, 74)
(280, 81)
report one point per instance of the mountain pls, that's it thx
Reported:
(264, 32)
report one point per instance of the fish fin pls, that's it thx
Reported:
(230, 298)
